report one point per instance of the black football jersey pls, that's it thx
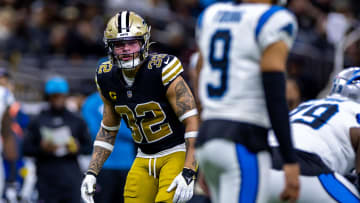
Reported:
(144, 105)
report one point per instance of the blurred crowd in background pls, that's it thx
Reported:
(44, 38)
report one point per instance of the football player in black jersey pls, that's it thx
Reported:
(149, 93)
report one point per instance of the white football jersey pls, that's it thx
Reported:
(323, 127)
(6, 99)
(231, 38)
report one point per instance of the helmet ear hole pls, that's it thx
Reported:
(339, 88)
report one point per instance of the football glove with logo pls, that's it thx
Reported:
(184, 184)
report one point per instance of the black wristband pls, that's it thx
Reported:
(274, 90)
(90, 173)
(189, 175)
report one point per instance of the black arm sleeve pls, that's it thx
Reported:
(274, 89)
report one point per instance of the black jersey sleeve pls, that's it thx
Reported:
(104, 72)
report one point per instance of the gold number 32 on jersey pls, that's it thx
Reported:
(144, 130)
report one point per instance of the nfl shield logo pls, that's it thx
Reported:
(129, 93)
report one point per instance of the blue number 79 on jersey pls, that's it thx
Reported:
(314, 116)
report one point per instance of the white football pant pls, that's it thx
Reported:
(233, 174)
(329, 188)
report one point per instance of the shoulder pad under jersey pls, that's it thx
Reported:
(170, 65)
(103, 70)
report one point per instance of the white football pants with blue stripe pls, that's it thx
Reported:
(327, 188)
(234, 174)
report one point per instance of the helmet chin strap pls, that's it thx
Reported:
(131, 64)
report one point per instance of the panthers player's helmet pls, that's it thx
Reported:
(127, 25)
(347, 84)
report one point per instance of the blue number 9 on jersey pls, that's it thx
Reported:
(219, 60)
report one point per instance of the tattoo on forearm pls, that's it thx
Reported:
(187, 145)
(98, 159)
(100, 154)
(194, 162)
(184, 99)
(106, 136)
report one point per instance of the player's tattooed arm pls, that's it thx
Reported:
(100, 154)
(180, 96)
(182, 101)
(189, 143)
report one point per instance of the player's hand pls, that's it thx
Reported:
(292, 184)
(184, 184)
(88, 188)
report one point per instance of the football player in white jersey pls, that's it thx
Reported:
(7, 141)
(326, 134)
(243, 50)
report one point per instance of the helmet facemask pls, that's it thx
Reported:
(127, 53)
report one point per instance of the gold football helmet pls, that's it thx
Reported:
(127, 25)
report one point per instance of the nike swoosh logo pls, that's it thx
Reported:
(167, 61)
